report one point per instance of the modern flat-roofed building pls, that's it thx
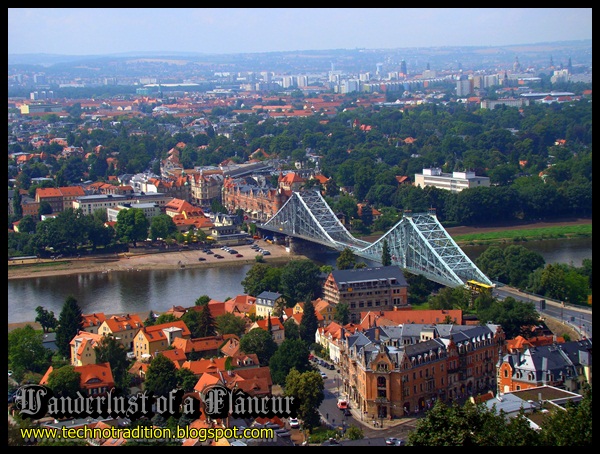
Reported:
(454, 182)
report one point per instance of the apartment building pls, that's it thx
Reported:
(379, 288)
(393, 371)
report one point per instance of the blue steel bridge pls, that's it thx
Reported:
(418, 243)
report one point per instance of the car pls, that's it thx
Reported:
(294, 423)
(324, 375)
(347, 412)
(209, 252)
(219, 256)
(266, 253)
(238, 255)
(201, 259)
(393, 441)
(10, 372)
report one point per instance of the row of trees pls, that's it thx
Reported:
(522, 268)
(71, 232)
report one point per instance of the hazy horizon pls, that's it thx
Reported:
(109, 31)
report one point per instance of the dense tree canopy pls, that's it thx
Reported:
(161, 376)
(291, 354)
(259, 342)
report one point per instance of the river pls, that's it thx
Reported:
(159, 290)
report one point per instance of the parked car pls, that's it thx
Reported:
(238, 255)
(294, 423)
(324, 375)
(201, 259)
(266, 253)
(393, 441)
(219, 256)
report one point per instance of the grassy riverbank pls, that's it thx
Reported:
(517, 235)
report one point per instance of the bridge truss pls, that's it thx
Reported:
(417, 243)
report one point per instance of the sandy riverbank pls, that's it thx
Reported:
(143, 260)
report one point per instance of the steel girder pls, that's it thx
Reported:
(418, 243)
(307, 215)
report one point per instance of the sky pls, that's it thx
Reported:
(104, 31)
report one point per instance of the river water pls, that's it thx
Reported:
(159, 290)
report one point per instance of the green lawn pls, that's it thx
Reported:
(543, 233)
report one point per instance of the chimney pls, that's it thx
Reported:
(377, 334)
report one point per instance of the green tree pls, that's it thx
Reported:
(291, 354)
(341, 314)
(386, 257)
(471, 425)
(26, 352)
(27, 224)
(259, 342)
(229, 323)
(511, 314)
(202, 300)
(562, 282)
(307, 389)
(206, 323)
(162, 226)
(260, 278)
(46, 319)
(161, 376)
(300, 280)
(65, 382)
(132, 226)
(572, 427)
(16, 202)
(419, 288)
(292, 329)
(44, 208)
(186, 379)
(354, 433)
(151, 319)
(346, 260)
(165, 318)
(308, 323)
(70, 322)
(450, 298)
(110, 350)
(193, 320)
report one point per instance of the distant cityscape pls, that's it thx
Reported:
(470, 69)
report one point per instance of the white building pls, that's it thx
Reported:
(455, 181)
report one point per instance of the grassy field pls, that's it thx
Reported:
(515, 235)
